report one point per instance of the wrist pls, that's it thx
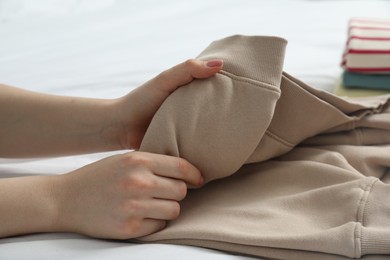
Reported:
(110, 130)
(49, 196)
(27, 205)
(62, 199)
(116, 135)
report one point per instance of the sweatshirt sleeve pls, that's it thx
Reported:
(217, 123)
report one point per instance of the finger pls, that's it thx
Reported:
(168, 188)
(162, 209)
(149, 226)
(175, 167)
(184, 73)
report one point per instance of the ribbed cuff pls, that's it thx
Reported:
(375, 233)
(256, 57)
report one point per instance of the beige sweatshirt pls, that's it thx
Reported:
(293, 172)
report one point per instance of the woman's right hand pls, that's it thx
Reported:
(123, 196)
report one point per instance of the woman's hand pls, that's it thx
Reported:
(123, 196)
(38, 124)
(137, 109)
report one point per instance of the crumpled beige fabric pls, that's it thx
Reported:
(293, 172)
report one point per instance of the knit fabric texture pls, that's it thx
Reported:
(292, 172)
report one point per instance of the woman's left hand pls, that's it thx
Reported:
(137, 109)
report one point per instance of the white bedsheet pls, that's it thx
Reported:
(105, 48)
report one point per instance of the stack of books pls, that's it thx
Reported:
(366, 59)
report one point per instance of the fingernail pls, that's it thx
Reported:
(214, 63)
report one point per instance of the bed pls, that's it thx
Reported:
(106, 48)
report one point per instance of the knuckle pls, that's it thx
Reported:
(130, 229)
(163, 224)
(182, 190)
(134, 206)
(190, 63)
(163, 76)
(139, 182)
(136, 159)
(153, 183)
(183, 166)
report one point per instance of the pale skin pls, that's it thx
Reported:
(124, 196)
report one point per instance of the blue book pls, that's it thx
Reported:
(368, 81)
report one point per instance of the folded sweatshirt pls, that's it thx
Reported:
(368, 46)
(292, 172)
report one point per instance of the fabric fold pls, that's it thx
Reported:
(236, 117)
(242, 96)
(297, 173)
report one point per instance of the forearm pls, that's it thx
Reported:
(34, 124)
(27, 205)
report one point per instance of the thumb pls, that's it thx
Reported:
(184, 73)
